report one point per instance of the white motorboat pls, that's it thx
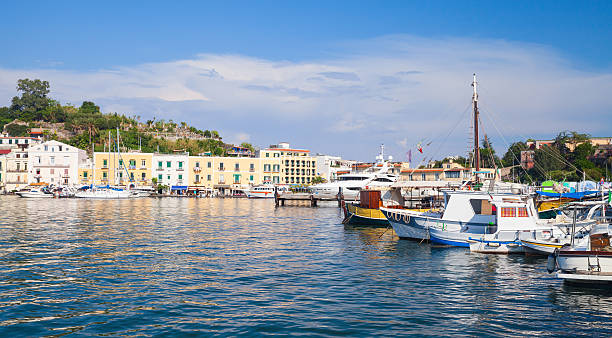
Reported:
(35, 192)
(103, 193)
(260, 191)
(350, 184)
(588, 260)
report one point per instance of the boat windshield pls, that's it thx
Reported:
(352, 178)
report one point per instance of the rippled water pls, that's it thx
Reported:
(234, 267)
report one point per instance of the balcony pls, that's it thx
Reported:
(132, 167)
(17, 171)
(15, 182)
(221, 182)
(221, 169)
(236, 169)
(197, 169)
(252, 169)
(160, 168)
(144, 167)
(180, 169)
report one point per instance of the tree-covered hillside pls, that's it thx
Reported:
(86, 125)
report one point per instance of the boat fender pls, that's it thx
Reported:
(551, 265)
(406, 219)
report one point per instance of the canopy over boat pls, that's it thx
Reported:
(574, 195)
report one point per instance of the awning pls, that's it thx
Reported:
(178, 187)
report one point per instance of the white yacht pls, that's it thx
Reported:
(103, 193)
(35, 192)
(375, 177)
(264, 190)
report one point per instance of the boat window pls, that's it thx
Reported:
(508, 212)
(482, 207)
(382, 179)
(522, 212)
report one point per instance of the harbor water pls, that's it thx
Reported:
(184, 266)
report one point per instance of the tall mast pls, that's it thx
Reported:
(476, 146)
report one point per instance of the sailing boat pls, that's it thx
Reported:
(481, 220)
(105, 192)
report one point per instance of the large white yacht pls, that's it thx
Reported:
(375, 177)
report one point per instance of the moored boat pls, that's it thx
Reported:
(588, 260)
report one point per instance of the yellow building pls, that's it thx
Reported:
(131, 168)
(296, 166)
(231, 173)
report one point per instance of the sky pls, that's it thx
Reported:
(335, 77)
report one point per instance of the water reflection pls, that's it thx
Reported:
(234, 266)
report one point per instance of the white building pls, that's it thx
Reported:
(329, 166)
(54, 162)
(16, 169)
(3, 153)
(172, 170)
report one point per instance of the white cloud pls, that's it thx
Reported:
(395, 90)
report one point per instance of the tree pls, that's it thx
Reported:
(33, 99)
(513, 154)
(318, 179)
(207, 133)
(89, 108)
(15, 129)
(248, 146)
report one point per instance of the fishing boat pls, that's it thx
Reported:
(367, 211)
(588, 260)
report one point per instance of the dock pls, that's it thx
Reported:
(307, 198)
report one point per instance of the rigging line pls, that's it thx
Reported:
(435, 153)
(508, 145)
(461, 117)
(562, 160)
(536, 165)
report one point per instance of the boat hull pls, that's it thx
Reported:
(365, 216)
(540, 247)
(496, 247)
(407, 225)
(259, 194)
(33, 195)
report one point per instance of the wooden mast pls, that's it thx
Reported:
(476, 145)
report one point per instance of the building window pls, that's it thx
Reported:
(221, 178)
(209, 165)
(143, 163)
(236, 178)
(209, 177)
(168, 164)
(104, 163)
(437, 176)
(159, 165)
(221, 166)
(104, 175)
(159, 177)
(143, 176)
(267, 154)
(168, 177)
(180, 177)
(237, 167)
(422, 177)
(197, 164)
(197, 178)
(252, 167)
(181, 165)
(251, 178)
(120, 163)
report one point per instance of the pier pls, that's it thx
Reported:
(308, 198)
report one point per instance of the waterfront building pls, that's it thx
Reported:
(172, 170)
(229, 174)
(86, 172)
(17, 168)
(130, 169)
(595, 141)
(296, 165)
(450, 171)
(54, 162)
(3, 153)
(330, 167)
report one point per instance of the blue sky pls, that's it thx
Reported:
(338, 77)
